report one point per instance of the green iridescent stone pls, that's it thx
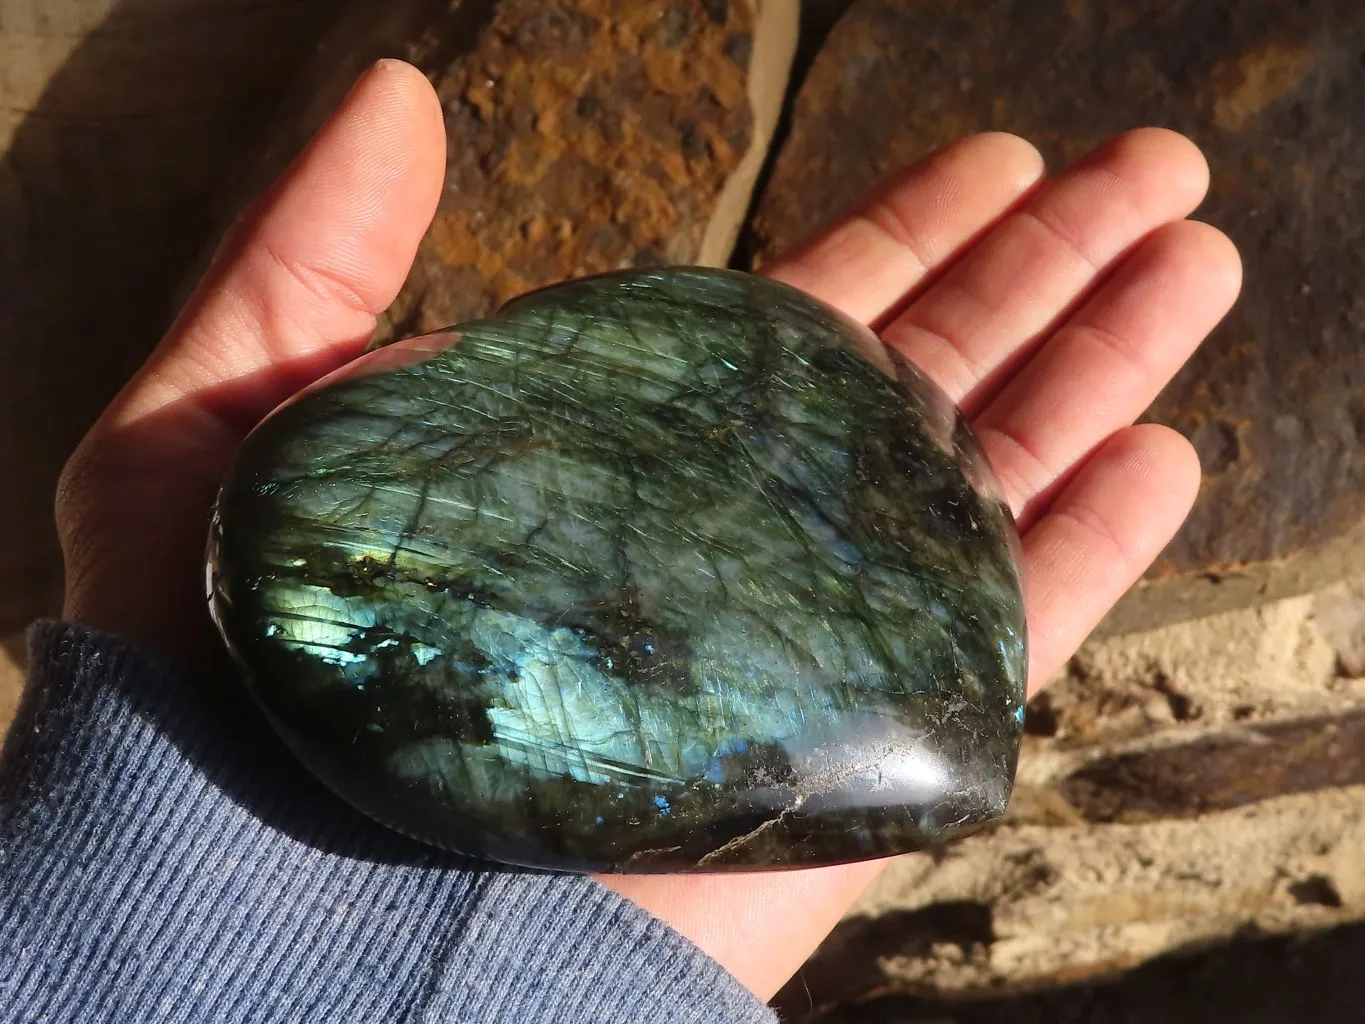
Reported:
(661, 570)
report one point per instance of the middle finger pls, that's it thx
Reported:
(975, 324)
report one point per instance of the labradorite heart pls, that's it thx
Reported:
(658, 570)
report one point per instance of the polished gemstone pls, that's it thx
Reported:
(660, 570)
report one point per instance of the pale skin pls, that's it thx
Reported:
(1052, 308)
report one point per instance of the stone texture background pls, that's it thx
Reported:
(584, 135)
(594, 141)
(1188, 834)
(1275, 401)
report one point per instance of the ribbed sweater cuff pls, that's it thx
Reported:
(162, 859)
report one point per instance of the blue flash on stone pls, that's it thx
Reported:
(662, 570)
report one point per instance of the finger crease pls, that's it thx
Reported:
(1009, 465)
(1066, 239)
(886, 221)
(1088, 520)
(1111, 342)
(970, 372)
(326, 285)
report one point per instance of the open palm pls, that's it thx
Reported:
(1052, 311)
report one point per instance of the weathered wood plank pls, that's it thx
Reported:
(1221, 772)
(119, 119)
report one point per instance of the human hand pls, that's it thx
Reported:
(1053, 313)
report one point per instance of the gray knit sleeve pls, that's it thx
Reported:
(163, 859)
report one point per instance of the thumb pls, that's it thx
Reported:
(292, 295)
(297, 288)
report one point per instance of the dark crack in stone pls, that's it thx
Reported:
(659, 570)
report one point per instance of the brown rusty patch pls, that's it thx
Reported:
(585, 135)
(1257, 79)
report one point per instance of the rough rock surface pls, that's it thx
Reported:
(584, 135)
(118, 123)
(1237, 808)
(1271, 92)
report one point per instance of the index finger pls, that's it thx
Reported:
(870, 261)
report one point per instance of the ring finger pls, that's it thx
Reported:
(1108, 362)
